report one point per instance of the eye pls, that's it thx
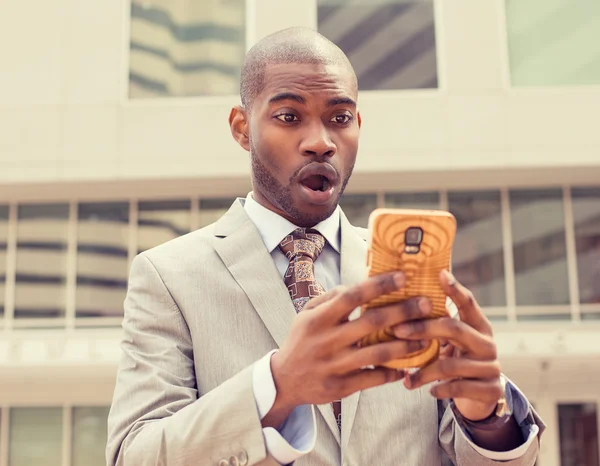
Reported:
(342, 119)
(287, 117)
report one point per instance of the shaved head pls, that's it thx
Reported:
(293, 45)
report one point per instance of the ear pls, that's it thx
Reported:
(238, 123)
(359, 119)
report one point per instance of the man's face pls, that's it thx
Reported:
(303, 139)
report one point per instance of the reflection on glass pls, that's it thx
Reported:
(186, 48)
(539, 251)
(552, 43)
(390, 43)
(35, 437)
(358, 207)
(586, 216)
(578, 430)
(102, 259)
(477, 257)
(3, 240)
(212, 210)
(425, 200)
(42, 235)
(89, 436)
(161, 221)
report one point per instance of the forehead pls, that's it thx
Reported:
(309, 80)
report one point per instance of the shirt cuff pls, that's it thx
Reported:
(520, 408)
(298, 433)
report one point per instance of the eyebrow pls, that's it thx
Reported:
(301, 100)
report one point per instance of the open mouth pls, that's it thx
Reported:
(316, 182)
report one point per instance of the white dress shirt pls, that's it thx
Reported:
(298, 434)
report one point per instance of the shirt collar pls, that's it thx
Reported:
(273, 227)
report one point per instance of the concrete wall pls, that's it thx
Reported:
(65, 115)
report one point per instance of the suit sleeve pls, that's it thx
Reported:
(156, 417)
(462, 451)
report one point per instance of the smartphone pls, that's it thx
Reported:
(419, 243)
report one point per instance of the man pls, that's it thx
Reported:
(231, 341)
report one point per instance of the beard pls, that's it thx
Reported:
(280, 195)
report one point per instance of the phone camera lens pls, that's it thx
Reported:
(413, 236)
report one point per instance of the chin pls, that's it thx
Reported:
(310, 215)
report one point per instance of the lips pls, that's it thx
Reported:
(318, 176)
(317, 182)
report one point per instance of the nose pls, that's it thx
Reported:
(317, 142)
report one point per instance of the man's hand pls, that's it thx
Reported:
(468, 369)
(320, 361)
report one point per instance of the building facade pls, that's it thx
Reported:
(115, 139)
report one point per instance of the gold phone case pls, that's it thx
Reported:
(388, 252)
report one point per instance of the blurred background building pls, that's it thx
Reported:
(114, 139)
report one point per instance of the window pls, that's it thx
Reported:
(390, 43)
(426, 200)
(478, 259)
(161, 221)
(41, 269)
(186, 47)
(212, 210)
(358, 207)
(102, 259)
(578, 430)
(35, 437)
(586, 216)
(539, 250)
(552, 43)
(3, 244)
(89, 436)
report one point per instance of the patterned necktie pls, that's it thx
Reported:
(302, 247)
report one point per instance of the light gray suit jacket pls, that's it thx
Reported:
(200, 310)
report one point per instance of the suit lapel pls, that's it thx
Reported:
(352, 269)
(243, 252)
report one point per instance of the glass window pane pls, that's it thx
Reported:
(102, 259)
(538, 234)
(551, 43)
(358, 207)
(477, 257)
(578, 430)
(390, 43)
(89, 436)
(3, 240)
(212, 210)
(161, 221)
(44, 425)
(186, 47)
(42, 235)
(426, 201)
(586, 216)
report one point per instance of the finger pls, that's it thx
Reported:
(476, 390)
(362, 293)
(328, 296)
(460, 334)
(369, 378)
(468, 308)
(381, 318)
(446, 369)
(376, 355)
(447, 351)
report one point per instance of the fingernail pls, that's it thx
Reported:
(402, 331)
(425, 305)
(408, 381)
(450, 278)
(399, 279)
